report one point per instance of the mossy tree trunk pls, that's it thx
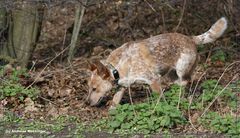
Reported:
(3, 29)
(3, 18)
(23, 32)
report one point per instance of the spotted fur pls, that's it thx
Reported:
(151, 60)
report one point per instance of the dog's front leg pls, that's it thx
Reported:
(156, 86)
(117, 98)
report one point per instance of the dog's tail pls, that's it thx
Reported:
(213, 33)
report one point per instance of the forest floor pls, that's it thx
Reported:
(48, 99)
(63, 90)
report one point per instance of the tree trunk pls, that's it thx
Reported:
(77, 25)
(3, 27)
(2, 17)
(22, 33)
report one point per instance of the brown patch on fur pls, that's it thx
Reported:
(161, 58)
(166, 48)
(145, 54)
(115, 56)
(155, 86)
(101, 69)
(158, 54)
(91, 66)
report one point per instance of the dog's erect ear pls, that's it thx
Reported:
(102, 69)
(98, 67)
(104, 62)
(91, 66)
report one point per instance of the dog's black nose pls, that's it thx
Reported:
(87, 102)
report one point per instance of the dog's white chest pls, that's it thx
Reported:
(127, 81)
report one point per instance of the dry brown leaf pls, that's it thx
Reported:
(2, 104)
(65, 91)
(194, 117)
(29, 105)
(50, 92)
(52, 111)
(64, 110)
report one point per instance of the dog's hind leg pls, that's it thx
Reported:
(117, 98)
(184, 68)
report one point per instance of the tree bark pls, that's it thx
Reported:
(77, 25)
(3, 28)
(3, 18)
(23, 32)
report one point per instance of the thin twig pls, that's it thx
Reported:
(179, 97)
(218, 83)
(224, 73)
(159, 98)
(180, 20)
(163, 20)
(150, 5)
(64, 41)
(38, 76)
(191, 99)
(129, 92)
(219, 93)
(209, 54)
(130, 96)
(48, 100)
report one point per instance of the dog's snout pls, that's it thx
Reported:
(87, 102)
(90, 102)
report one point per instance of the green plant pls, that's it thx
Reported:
(53, 125)
(149, 117)
(201, 48)
(219, 55)
(143, 118)
(175, 96)
(61, 125)
(11, 86)
(8, 89)
(226, 98)
(210, 89)
(10, 117)
(221, 124)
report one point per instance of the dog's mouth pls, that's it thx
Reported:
(98, 102)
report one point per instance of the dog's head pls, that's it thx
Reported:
(99, 83)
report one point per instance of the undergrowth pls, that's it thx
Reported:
(215, 122)
(55, 127)
(10, 85)
(152, 116)
(171, 112)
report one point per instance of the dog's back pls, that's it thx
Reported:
(149, 61)
(161, 53)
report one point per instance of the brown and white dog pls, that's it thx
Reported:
(148, 61)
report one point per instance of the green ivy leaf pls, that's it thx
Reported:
(121, 117)
(112, 112)
(126, 126)
(21, 98)
(165, 121)
(114, 124)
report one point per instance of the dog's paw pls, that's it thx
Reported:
(181, 83)
(112, 107)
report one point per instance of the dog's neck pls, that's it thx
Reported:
(106, 70)
(114, 72)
